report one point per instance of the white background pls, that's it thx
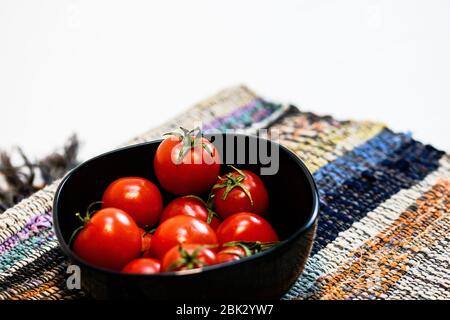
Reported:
(109, 70)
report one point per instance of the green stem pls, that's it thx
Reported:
(208, 206)
(252, 246)
(74, 234)
(189, 139)
(190, 261)
(230, 181)
(84, 220)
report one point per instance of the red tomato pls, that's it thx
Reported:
(239, 191)
(246, 226)
(180, 229)
(110, 239)
(188, 256)
(185, 164)
(189, 206)
(232, 253)
(138, 197)
(146, 238)
(143, 266)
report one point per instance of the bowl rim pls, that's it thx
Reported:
(306, 226)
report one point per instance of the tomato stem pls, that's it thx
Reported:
(211, 215)
(229, 182)
(245, 247)
(208, 206)
(84, 220)
(190, 261)
(251, 247)
(78, 215)
(74, 234)
(190, 139)
(89, 210)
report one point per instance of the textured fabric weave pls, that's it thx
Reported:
(384, 226)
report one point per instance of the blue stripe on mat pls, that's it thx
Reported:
(358, 160)
(365, 177)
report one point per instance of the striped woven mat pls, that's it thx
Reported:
(384, 227)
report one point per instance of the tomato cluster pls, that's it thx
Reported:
(134, 232)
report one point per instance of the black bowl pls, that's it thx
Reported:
(268, 275)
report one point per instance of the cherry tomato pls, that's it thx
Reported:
(246, 226)
(180, 229)
(188, 256)
(239, 191)
(138, 197)
(189, 206)
(232, 253)
(110, 239)
(186, 164)
(143, 266)
(146, 238)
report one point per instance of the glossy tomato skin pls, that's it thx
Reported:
(205, 257)
(228, 254)
(109, 240)
(188, 206)
(138, 197)
(143, 266)
(194, 174)
(237, 201)
(180, 229)
(246, 226)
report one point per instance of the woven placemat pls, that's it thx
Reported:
(384, 227)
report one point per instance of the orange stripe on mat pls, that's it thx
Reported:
(380, 263)
(44, 291)
(47, 290)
